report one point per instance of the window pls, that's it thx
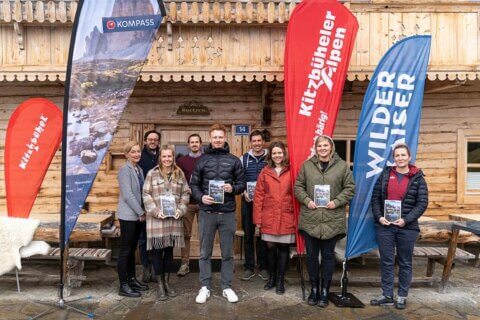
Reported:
(345, 147)
(468, 167)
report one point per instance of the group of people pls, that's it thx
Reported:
(160, 197)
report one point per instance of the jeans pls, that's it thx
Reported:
(226, 224)
(389, 239)
(327, 248)
(249, 240)
(129, 234)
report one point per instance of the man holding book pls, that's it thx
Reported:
(217, 168)
(253, 162)
(187, 163)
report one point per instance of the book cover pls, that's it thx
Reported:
(168, 205)
(216, 190)
(251, 189)
(322, 195)
(392, 210)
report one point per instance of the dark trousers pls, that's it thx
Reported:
(389, 239)
(142, 246)
(208, 224)
(162, 260)
(129, 234)
(249, 239)
(277, 256)
(314, 247)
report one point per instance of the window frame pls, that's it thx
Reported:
(348, 138)
(464, 137)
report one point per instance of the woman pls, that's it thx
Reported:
(165, 195)
(324, 223)
(131, 215)
(273, 213)
(405, 184)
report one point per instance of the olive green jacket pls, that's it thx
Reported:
(323, 223)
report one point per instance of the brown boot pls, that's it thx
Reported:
(161, 295)
(168, 288)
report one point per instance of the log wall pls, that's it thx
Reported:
(447, 108)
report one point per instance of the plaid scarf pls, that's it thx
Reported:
(166, 232)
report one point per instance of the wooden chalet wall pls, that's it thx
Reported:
(224, 54)
(444, 113)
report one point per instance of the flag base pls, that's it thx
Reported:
(345, 301)
(63, 305)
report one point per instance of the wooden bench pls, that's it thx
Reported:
(439, 255)
(76, 263)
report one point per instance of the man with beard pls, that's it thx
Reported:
(187, 164)
(253, 162)
(148, 160)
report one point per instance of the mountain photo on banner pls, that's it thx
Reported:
(319, 43)
(391, 114)
(110, 43)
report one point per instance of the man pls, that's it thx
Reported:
(253, 162)
(187, 164)
(148, 160)
(215, 168)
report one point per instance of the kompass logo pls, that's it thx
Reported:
(133, 23)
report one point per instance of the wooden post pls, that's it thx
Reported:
(452, 247)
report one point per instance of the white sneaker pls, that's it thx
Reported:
(203, 295)
(230, 295)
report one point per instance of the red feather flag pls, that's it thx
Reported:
(33, 136)
(320, 38)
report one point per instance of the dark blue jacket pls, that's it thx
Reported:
(414, 202)
(148, 160)
(217, 164)
(253, 165)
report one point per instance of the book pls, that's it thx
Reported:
(216, 190)
(321, 195)
(251, 189)
(168, 205)
(392, 210)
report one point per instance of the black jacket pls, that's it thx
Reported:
(148, 160)
(414, 203)
(218, 164)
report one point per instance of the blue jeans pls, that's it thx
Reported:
(389, 239)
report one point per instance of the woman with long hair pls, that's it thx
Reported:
(324, 186)
(130, 213)
(273, 213)
(165, 195)
(399, 199)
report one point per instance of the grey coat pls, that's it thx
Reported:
(130, 198)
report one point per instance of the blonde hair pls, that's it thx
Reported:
(324, 137)
(129, 145)
(177, 173)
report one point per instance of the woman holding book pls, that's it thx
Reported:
(165, 195)
(273, 213)
(399, 198)
(131, 214)
(324, 186)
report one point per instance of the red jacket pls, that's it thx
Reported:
(273, 202)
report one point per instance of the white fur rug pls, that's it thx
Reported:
(16, 233)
